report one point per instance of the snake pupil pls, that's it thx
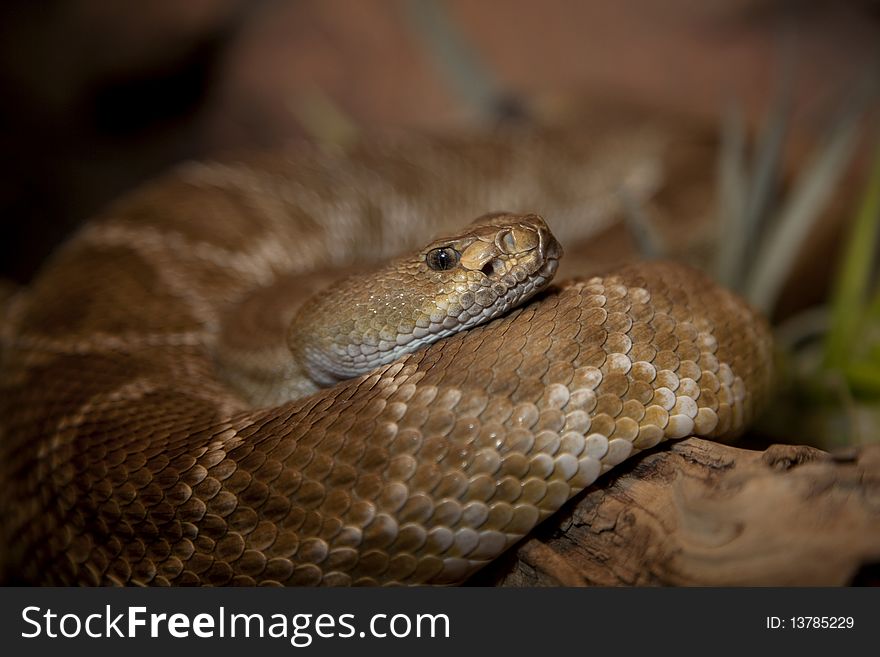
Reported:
(442, 258)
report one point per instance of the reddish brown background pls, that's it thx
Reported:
(98, 94)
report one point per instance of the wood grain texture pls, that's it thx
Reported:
(708, 514)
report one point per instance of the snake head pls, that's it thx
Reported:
(452, 284)
(506, 248)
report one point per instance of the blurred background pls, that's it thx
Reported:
(772, 105)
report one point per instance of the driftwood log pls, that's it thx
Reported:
(699, 513)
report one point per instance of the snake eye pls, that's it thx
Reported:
(443, 258)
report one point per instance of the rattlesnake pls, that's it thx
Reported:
(130, 453)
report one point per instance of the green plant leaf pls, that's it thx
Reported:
(850, 293)
(805, 204)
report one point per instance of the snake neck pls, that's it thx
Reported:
(452, 284)
(370, 319)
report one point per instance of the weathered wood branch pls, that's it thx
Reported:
(706, 514)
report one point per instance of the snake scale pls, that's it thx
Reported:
(144, 437)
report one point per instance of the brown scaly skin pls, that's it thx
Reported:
(127, 459)
(368, 320)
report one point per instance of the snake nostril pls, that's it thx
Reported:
(493, 266)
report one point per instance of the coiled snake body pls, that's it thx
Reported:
(145, 434)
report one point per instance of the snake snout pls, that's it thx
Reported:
(549, 248)
(549, 268)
